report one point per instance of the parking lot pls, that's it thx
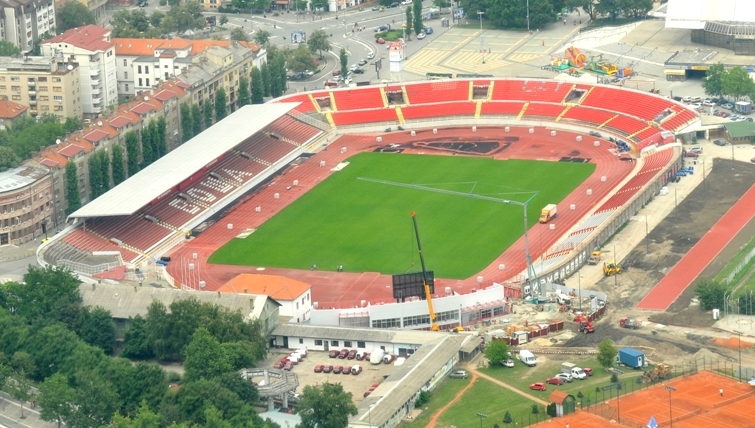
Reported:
(356, 385)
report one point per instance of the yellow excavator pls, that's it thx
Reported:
(428, 293)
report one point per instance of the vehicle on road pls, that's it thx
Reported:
(370, 55)
(375, 8)
(420, 36)
(538, 386)
(555, 381)
(595, 134)
(358, 71)
(428, 30)
(381, 41)
(459, 374)
(363, 62)
(394, 4)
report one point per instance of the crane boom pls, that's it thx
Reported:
(428, 294)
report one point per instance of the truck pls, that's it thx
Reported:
(573, 370)
(632, 323)
(376, 357)
(548, 213)
(595, 257)
(631, 358)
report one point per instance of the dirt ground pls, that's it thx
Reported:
(667, 243)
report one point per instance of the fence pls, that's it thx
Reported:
(740, 266)
(86, 269)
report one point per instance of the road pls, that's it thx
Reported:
(10, 415)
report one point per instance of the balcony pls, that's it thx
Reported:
(95, 82)
(96, 91)
(94, 71)
(32, 102)
(33, 111)
(97, 109)
(96, 99)
(31, 83)
(32, 92)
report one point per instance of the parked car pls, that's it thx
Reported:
(333, 353)
(363, 62)
(356, 370)
(279, 365)
(327, 368)
(394, 4)
(538, 386)
(695, 148)
(691, 155)
(728, 106)
(459, 374)
(687, 99)
(358, 71)
(375, 8)
(343, 354)
(675, 98)
(428, 30)
(288, 367)
(719, 142)
(420, 36)
(588, 371)
(352, 354)
(370, 55)
(752, 160)
(508, 363)
(318, 368)
(360, 355)
(389, 358)
(380, 41)
(346, 370)
(337, 72)
(353, 67)
(337, 369)
(565, 376)
(708, 103)
(555, 381)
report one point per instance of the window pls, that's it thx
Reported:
(41, 79)
(44, 107)
(15, 79)
(361, 344)
(297, 305)
(15, 88)
(3, 88)
(125, 63)
(125, 74)
(147, 82)
(58, 108)
(318, 342)
(146, 69)
(16, 97)
(139, 69)
(57, 79)
(57, 89)
(44, 98)
(2, 78)
(301, 341)
(43, 89)
(334, 343)
(58, 98)
(388, 323)
(165, 66)
(140, 81)
(126, 87)
(347, 344)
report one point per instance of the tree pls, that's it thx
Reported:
(220, 105)
(636, 8)
(196, 119)
(208, 110)
(712, 82)
(611, 8)
(74, 14)
(187, 124)
(71, 124)
(119, 175)
(607, 353)
(408, 21)
(8, 159)
(162, 137)
(95, 175)
(145, 418)
(496, 352)
(205, 358)
(257, 90)
(711, 294)
(132, 153)
(55, 396)
(261, 37)
(239, 34)
(148, 154)
(72, 187)
(20, 389)
(318, 41)
(5, 372)
(325, 406)
(301, 59)
(223, 19)
(418, 26)
(736, 82)
(8, 49)
(94, 403)
(507, 419)
(136, 340)
(104, 165)
(243, 91)
(586, 5)
(156, 18)
(344, 60)
(97, 328)
(513, 14)
(267, 79)
(535, 409)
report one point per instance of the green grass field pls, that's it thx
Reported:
(367, 227)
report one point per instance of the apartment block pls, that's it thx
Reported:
(26, 206)
(24, 22)
(46, 85)
(89, 46)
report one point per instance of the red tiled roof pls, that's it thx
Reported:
(49, 162)
(165, 95)
(147, 47)
(142, 108)
(11, 110)
(277, 287)
(119, 122)
(96, 136)
(70, 150)
(89, 37)
(182, 84)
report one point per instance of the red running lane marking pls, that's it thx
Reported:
(699, 257)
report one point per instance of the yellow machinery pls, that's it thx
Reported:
(594, 258)
(611, 268)
(428, 294)
(660, 371)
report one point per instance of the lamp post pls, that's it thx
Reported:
(739, 333)
(482, 43)
(579, 279)
(528, 15)
(481, 416)
(670, 389)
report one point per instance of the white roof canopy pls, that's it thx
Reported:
(178, 165)
(693, 14)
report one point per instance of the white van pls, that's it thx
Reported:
(578, 373)
(527, 357)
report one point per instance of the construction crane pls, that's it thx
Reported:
(428, 294)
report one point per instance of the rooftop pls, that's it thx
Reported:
(11, 110)
(693, 14)
(90, 37)
(147, 47)
(275, 286)
(19, 177)
(35, 64)
(178, 165)
(741, 129)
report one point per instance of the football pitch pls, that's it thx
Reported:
(367, 227)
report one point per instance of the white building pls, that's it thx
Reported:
(90, 46)
(23, 22)
(294, 296)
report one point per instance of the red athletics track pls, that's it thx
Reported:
(699, 257)
(331, 289)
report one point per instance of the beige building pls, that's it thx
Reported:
(24, 22)
(46, 85)
(25, 204)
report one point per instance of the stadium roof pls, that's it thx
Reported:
(178, 165)
(693, 14)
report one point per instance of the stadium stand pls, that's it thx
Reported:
(543, 110)
(506, 108)
(626, 125)
(588, 115)
(365, 116)
(369, 97)
(438, 91)
(641, 105)
(462, 108)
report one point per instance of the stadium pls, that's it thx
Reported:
(259, 165)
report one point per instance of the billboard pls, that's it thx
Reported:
(397, 66)
(411, 284)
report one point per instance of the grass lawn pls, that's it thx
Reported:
(483, 397)
(367, 227)
(444, 393)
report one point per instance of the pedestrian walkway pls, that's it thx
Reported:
(10, 415)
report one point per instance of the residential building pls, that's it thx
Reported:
(105, 132)
(11, 112)
(203, 64)
(294, 296)
(25, 204)
(89, 46)
(25, 22)
(97, 7)
(46, 85)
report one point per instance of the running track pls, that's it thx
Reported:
(691, 265)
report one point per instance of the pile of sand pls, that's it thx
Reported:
(732, 343)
